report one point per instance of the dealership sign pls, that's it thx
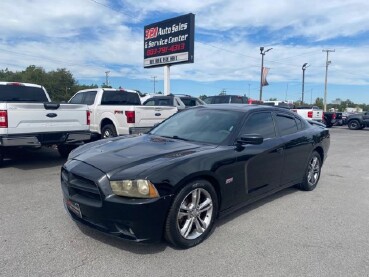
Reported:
(170, 41)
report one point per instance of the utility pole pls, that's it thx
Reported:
(107, 78)
(304, 66)
(262, 53)
(154, 80)
(326, 76)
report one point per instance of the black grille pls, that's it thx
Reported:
(80, 187)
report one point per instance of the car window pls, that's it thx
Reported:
(164, 102)
(120, 97)
(77, 99)
(189, 102)
(89, 97)
(286, 125)
(150, 102)
(219, 99)
(236, 99)
(22, 93)
(261, 124)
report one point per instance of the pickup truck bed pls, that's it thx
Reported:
(29, 119)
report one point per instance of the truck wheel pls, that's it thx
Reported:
(354, 124)
(108, 131)
(65, 149)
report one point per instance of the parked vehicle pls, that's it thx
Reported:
(117, 112)
(226, 99)
(28, 118)
(309, 112)
(345, 115)
(281, 104)
(332, 119)
(358, 121)
(181, 102)
(199, 164)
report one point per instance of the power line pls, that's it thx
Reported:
(113, 9)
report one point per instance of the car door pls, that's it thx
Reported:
(296, 146)
(262, 163)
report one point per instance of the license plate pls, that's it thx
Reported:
(74, 207)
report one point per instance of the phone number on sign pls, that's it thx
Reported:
(166, 49)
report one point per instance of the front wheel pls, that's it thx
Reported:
(192, 214)
(312, 173)
(354, 125)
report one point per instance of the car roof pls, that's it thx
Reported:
(245, 107)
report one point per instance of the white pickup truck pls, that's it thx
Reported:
(117, 112)
(28, 118)
(309, 113)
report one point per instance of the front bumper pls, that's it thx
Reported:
(88, 189)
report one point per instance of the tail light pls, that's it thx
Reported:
(131, 117)
(334, 116)
(310, 114)
(88, 117)
(3, 119)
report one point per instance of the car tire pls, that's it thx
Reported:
(108, 131)
(312, 172)
(192, 214)
(354, 124)
(65, 149)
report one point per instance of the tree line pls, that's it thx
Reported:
(60, 83)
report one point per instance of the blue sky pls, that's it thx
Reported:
(90, 37)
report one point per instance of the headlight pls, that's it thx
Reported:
(134, 188)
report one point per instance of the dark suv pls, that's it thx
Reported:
(226, 99)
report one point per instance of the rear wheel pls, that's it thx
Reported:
(312, 173)
(354, 124)
(192, 214)
(108, 131)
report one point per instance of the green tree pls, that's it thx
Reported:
(319, 102)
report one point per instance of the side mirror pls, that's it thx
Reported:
(250, 139)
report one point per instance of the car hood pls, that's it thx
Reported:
(118, 154)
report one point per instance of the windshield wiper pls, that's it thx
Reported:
(177, 137)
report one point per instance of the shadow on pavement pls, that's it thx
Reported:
(32, 158)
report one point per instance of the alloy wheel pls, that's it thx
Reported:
(195, 214)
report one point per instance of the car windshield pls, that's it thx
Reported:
(200, 125)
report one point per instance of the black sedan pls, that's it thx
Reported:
(198, 165)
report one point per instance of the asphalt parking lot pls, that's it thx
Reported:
(293, 233)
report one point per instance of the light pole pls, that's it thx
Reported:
(154, 77)
(327, 63)
(304, 66)
(262, 52)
